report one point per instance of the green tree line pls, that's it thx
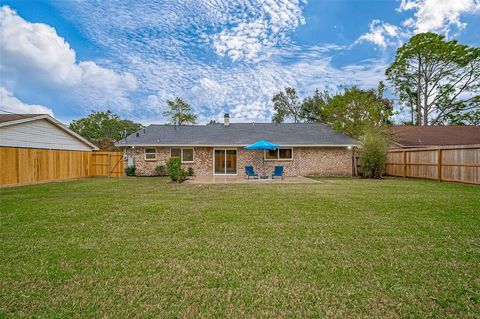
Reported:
(351, 111)
(436, 80)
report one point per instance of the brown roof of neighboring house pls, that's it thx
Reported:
(419, 136)
(14, 117)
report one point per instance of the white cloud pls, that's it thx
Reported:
(245, 91)
(441, 16)
(34, 54)
(381, 34)
(438, 15)
(10, 103)
(250, 37)
(170, 47)
(256, 111)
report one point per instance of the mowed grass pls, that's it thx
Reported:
(142, 247)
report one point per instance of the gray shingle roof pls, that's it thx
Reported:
(238, 134)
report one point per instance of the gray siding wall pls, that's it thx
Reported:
(39, 134)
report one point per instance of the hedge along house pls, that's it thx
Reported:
(218, 149)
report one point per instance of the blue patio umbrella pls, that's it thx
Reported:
(262, 145)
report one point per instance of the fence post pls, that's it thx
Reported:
(404, 153)
(109, 161)
(439, 173)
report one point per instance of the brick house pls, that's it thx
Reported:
(218, 149)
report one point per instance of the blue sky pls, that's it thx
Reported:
(69, 57)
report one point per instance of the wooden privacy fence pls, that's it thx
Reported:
(453, 164)
(28, 165)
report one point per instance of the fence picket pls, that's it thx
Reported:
(453, 163)
(27, 165)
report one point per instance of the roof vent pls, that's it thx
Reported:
(226, 119)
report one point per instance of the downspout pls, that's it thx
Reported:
(354, 162)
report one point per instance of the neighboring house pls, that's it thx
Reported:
(218, 149)
(431, 136)
(39, 131)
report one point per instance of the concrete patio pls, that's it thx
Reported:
(244, 180)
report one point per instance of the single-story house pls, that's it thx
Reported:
(219, 148)
(432, 136)
(39, 131)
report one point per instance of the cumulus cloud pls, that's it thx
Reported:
(9, 103)
(438, 15)
(441, 16)
(381, 34)
(34, 54)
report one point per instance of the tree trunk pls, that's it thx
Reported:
(419, 101)
(411, 113)
(425, 105)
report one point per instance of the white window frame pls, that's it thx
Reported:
(278, 155)
(181, 154)
(145, 154)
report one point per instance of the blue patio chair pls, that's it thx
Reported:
(250, 172)
(278, 172)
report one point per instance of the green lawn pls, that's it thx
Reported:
(141, 247)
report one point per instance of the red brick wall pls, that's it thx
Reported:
(323, 161)
(306, 161)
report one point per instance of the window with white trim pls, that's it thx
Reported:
(185, 154)
(279, 154)
(150, 154)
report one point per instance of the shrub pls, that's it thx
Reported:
(161, 170)
(130, 170)
(190, 171)
(373, 153)
(175, 170)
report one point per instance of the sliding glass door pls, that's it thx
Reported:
(225, 162)
(220, 162)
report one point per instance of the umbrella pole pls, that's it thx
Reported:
(263, 162)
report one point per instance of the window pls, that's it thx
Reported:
(185, 154)
(279, 154)
(150, 154)
(271, 154)
(285, 153)
(175, 152)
